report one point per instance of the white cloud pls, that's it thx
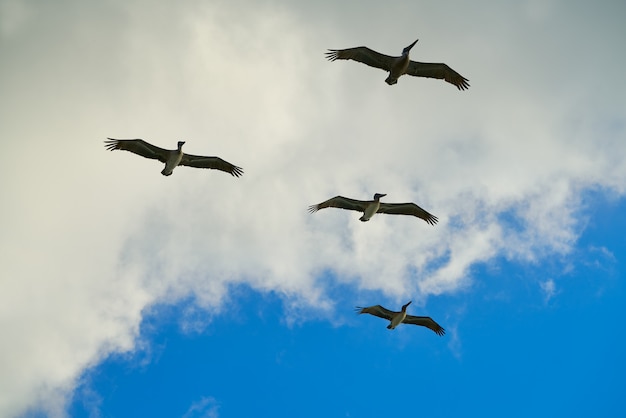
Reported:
(92, 239)
(549, 289)
(206, 407)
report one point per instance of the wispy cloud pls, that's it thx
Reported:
(89, 398)
(206, 407)
(454, 343)
(603, 257)
(549, 290)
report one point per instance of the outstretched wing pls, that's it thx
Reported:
(362, 54)
(341, 203)
(214, 163)
(425, 321)
(139, 147)
(440, 71)
(407, 209)
(376, 310)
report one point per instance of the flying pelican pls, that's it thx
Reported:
(171, 158)
(401, 317)
(371, 207)
(398, 66)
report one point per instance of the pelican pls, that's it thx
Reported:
(398, 66)
(171, 158)
(401, 317)
(371, 207)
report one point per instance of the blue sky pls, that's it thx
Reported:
(126, 293)
(513, 350)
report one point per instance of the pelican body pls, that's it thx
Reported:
(174, 159)
(171, 158)
(372, 207)
(398, 66)
(397, 318)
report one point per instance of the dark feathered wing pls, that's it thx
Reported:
(139, 147)
(407, 209)
(439, 71)
(376, 310)
(362, 54)
(425, 321)
(214, 163)
(341, 203)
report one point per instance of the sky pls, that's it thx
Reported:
(125, 293)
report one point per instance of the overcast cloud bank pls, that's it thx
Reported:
(92, 239)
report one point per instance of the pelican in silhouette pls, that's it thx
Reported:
(371, 207)
(171, 158)
(398, 66)
(397, 318)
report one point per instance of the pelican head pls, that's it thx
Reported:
(377, 196)
(180, 144)
(408, 48)
(405, 306)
